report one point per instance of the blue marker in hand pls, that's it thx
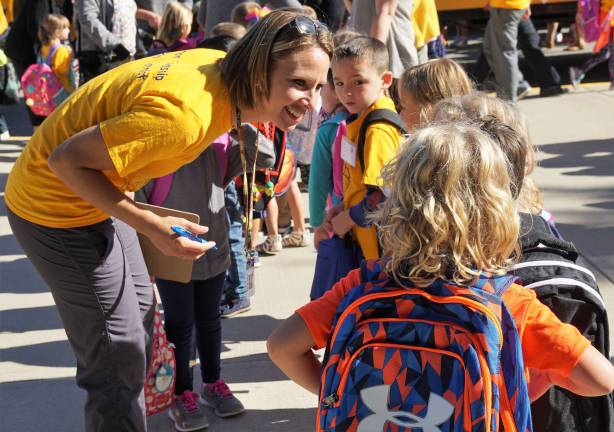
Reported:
(189, 235)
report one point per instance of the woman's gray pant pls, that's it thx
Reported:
(100, 284)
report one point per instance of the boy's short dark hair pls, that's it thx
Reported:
(366, 48)
(221, 43)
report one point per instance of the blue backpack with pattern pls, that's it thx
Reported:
(437, 359)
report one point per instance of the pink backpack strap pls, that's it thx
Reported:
(337, 161)
(160, 190)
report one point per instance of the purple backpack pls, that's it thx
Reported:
(42, 89)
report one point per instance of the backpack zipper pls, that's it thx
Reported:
(346, 370)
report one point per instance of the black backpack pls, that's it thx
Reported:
(382, 115)
(554, 269)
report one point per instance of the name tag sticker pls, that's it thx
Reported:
(348, 151)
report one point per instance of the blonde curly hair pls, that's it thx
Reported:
(450, 212)
(519, 149)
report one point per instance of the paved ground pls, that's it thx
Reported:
(575, 134)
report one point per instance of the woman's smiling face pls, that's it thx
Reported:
(294, 87)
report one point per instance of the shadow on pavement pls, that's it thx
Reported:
(241, 369)
(594, 242)
(19, 277)
(48, 354)
(56, 405)
(585, 158)
(9, 245)
(249, 328)
(31, 319)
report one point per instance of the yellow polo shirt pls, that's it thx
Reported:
(155, 115)
(382, 142)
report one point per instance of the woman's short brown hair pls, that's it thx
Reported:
(247, 68)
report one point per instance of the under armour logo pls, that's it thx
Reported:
(375, 398)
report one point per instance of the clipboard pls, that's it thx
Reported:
(158, 264)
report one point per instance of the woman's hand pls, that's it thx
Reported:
(171, 244)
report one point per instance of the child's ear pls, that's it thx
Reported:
(387, 79)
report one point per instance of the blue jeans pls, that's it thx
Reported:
(235, 286)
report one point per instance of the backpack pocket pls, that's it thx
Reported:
(408, 386)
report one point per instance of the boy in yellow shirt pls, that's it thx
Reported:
(361, 77)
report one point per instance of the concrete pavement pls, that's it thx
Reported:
(575, 134)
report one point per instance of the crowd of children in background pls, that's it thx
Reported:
(442, 205)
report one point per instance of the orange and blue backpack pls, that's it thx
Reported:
(437, 359)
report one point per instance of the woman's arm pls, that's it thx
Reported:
(79, 163)
(289, 347)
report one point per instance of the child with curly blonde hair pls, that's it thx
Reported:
(450, 217)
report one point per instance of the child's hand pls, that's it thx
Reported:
(342, 223)
(318, 235)
(330, 214)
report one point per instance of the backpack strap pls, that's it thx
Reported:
(538, 237)
(160, 190)
(51, 53)
(337, 160)
(383, 115)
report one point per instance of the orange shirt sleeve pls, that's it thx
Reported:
(319, 314)
(547, 343)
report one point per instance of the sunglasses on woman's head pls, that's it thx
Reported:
(305, 25)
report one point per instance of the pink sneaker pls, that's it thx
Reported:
(218, 396)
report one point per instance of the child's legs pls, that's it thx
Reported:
(207, 297)
(611, 59)
(256, 225)
(178, 300)
(270, 217)
(296, 206)
(236, 278)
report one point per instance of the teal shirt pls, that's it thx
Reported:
(321, 172)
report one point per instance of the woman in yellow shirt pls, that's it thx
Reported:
(67, 201)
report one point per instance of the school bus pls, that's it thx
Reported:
(542, 10)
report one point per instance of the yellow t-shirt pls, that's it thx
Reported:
(155, 115)
(510, 4)
(60, 64)
(425, 21)
(382, 142)
(4, 24)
